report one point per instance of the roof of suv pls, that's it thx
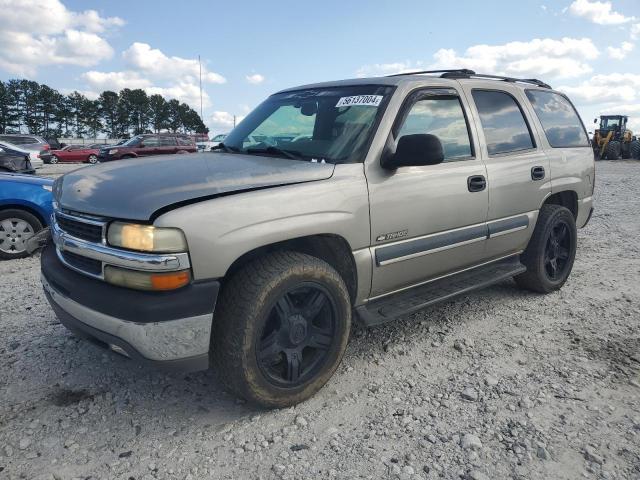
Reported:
(435, 77)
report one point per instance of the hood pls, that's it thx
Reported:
(30, 179)
(135, 189)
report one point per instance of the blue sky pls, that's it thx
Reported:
(588, 48)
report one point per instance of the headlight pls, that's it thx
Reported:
(146, 238)
(146, 280)
(48, 187)
(112, 151)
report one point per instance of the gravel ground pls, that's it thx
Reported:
(498, 384)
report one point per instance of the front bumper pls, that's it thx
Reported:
(169, 330)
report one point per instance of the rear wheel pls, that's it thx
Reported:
(281, 328)
(54, 159)
(635, 149)
(613, 150)
(93, 159)
(16, 227)
(551, 251)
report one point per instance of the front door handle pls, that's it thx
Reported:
(476, 183)
(537, 173)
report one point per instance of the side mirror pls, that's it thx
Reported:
(415, 150)
(595, 120)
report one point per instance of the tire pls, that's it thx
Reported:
(541, 255)
(613, 150)
(54, 160)
(635, 149)
(16, 227)
(266, 360)
(93, 159)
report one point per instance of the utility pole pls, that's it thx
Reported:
(200, 66)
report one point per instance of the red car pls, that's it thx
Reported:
(73, 153)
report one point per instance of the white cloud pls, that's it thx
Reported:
(635, 31)
(152, 61)
(603, 89)
(255, 79)
(546, 57)
(568, 57)
(185, 90)
(223, 120)
(621, 52)
(38, 33)
(601, 13)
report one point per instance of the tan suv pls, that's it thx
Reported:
(376, 196)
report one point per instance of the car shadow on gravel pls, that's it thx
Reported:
(96, 370)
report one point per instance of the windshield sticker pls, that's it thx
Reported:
(364, 100)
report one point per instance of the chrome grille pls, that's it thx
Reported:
(92, 232)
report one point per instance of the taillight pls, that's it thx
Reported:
(47, 147)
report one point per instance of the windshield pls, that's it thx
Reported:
(609, 123)
(132, 142)
(325, 124)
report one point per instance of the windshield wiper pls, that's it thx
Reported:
(276, 151)
(226, 148)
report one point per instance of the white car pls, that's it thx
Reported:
(34, 155)
(214, 142)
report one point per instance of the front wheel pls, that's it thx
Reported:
(16, 227)
(54, 159)
(281, 328)
(93, 159)
(613, 150)
(551, 251)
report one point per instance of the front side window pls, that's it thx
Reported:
(322, 124)
(167, 141)
(559, 119)
(505, 128)
(444, 118)
(150, 142)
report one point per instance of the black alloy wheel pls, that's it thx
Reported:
(298, 335)
(557, 251)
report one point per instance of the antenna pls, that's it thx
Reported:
(200, 66)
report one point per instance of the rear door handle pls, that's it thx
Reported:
(537, 173)
(476, 183)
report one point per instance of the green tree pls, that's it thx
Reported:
(136, 103)
(8, 117)
(108, 102)
(76, 102)
(91, 117)
(158, 112)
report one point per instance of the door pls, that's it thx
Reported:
(149, 146)
(518, 170)
(430, 220)
(167, 145)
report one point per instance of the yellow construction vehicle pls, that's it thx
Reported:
(613, 140)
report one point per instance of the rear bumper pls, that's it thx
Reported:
(167, 331)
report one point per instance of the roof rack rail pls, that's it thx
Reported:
(459, 74)
(466, 73)
(461, 71)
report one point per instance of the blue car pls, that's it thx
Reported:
(25, 209)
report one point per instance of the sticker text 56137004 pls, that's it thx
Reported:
(364, 100)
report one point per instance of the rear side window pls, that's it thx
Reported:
(559, 119)
(185, 141)
(167, 141)
(444, 118)
(504, 125)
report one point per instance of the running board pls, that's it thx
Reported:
(409, 301)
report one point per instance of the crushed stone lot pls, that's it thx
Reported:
(497, 384)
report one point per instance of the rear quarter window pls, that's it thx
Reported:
(505, 127)
(560, 121)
